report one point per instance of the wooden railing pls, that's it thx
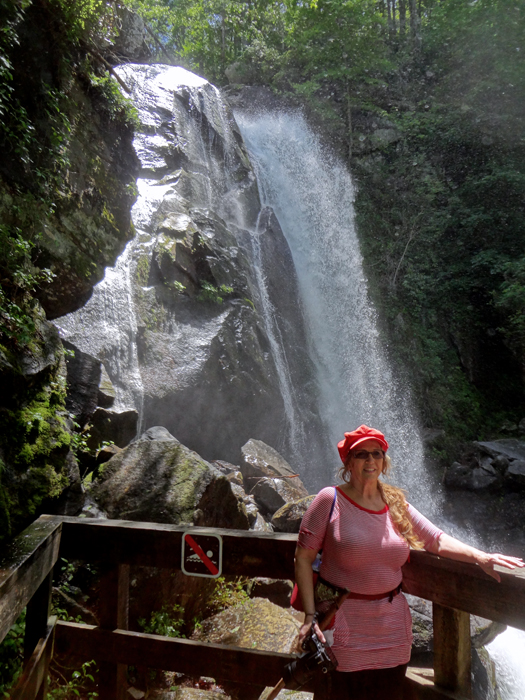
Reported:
(455, 589)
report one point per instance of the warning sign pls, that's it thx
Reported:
(201, 554)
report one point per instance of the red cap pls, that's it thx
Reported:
(357, 437)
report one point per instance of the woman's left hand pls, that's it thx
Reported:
(488, 561)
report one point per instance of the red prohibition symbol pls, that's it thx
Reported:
(201, 554)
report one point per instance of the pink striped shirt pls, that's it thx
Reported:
(363, 551)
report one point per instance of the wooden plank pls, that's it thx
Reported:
(113, 614)
(224, 663)
(466, 587)
(452, 652)
(24, 565)
(33, 681)
(420, 686)
(245, 552)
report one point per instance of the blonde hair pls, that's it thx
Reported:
(395, 499)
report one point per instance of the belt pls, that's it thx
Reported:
(363, 596)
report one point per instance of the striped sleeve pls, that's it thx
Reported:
(426, 531)
(315, 520)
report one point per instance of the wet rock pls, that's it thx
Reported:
(90, 509)
(286, 694)
(256, 624)
(288, 518)
(44, 354)
(72, 498)
(251, 510)
(483, 631)
(157, 432)
(422, 627)
(163, 481)
(277, 591)
(106, 390)
(271, 494)
(83, 379)
(106, 453)
(112, 426)
(260, 460)
(484, 680)
(501, 463)
(515, 474)
(512, 448)
(182, 693)
(260, 524)
(460, 476)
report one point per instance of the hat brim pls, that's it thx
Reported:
(366, 439)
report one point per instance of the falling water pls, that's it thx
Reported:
(295, 436)
(312, 195)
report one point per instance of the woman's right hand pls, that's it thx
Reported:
(305, 631)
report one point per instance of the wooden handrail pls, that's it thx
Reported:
(24, 565)
(449, 583)
(456, 590)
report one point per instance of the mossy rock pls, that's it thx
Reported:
(163, 481)
(256, 624)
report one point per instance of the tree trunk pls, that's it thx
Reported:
(402, 16)
(389, 15)
(414, 23)
(394, 27)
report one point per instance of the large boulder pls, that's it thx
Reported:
(288, 518)
(488, 466)
(256, 624)
(163, 481)
(461, 476)
(271, 494)
(259, 460)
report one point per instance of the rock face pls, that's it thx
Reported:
(189, 337)
(161, 480)
(490, 465)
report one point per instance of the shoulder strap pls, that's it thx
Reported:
(333, 504)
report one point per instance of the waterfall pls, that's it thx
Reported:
(312, 195)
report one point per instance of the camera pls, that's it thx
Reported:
(318, 658)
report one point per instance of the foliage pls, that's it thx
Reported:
(168, 621)
(80, 684)
(440, 214)
(226, 594)
(12, 655)
(211, 293)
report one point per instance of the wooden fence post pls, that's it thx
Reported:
(114, 605)
(452, 653)
(37, 616)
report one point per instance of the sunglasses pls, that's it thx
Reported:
(363, 454)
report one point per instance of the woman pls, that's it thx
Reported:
(365, 529)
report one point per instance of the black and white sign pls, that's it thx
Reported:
(201, 554)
